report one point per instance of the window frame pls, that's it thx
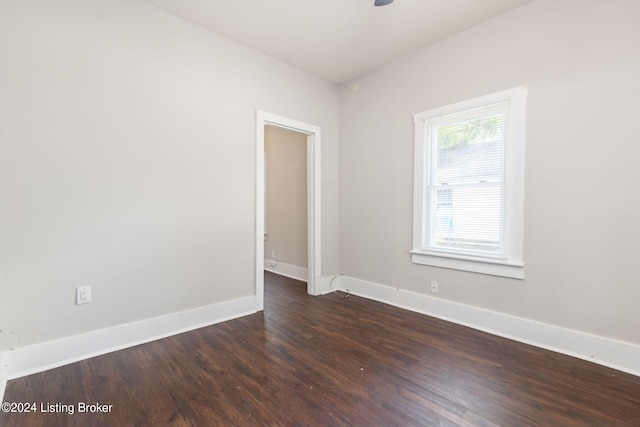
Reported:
(511, 264)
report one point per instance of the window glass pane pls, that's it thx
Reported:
(467, 163)
(469, 151)
(468, 219)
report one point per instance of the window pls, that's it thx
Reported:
(469, 185)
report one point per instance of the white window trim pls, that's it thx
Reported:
(513, 264)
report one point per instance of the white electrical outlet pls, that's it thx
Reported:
(434, 287)
(83, 295)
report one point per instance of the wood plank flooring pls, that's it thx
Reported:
(330, 361)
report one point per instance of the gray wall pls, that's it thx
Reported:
(127, 163)
(286, 196)
(580, 60)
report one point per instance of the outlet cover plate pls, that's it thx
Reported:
(83, 295)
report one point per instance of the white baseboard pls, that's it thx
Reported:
(326, 284)
(619, 355)
(287, 270)
(30, 359)
(323, 285)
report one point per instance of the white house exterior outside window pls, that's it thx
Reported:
(469, 185)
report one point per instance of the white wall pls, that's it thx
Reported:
(580, 60)
(127, 163)
(286, 196)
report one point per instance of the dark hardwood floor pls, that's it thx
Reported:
(330, 361)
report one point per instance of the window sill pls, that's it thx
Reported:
(476, 265)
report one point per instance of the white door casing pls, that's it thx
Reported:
(313, 198)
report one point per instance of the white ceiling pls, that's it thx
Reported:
(336, 39)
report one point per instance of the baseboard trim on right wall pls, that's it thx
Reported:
(619, 355)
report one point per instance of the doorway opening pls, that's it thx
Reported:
(285, 230)
(313, 198)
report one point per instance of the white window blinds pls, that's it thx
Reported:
(465, 184)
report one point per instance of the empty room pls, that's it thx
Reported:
(330, 213)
